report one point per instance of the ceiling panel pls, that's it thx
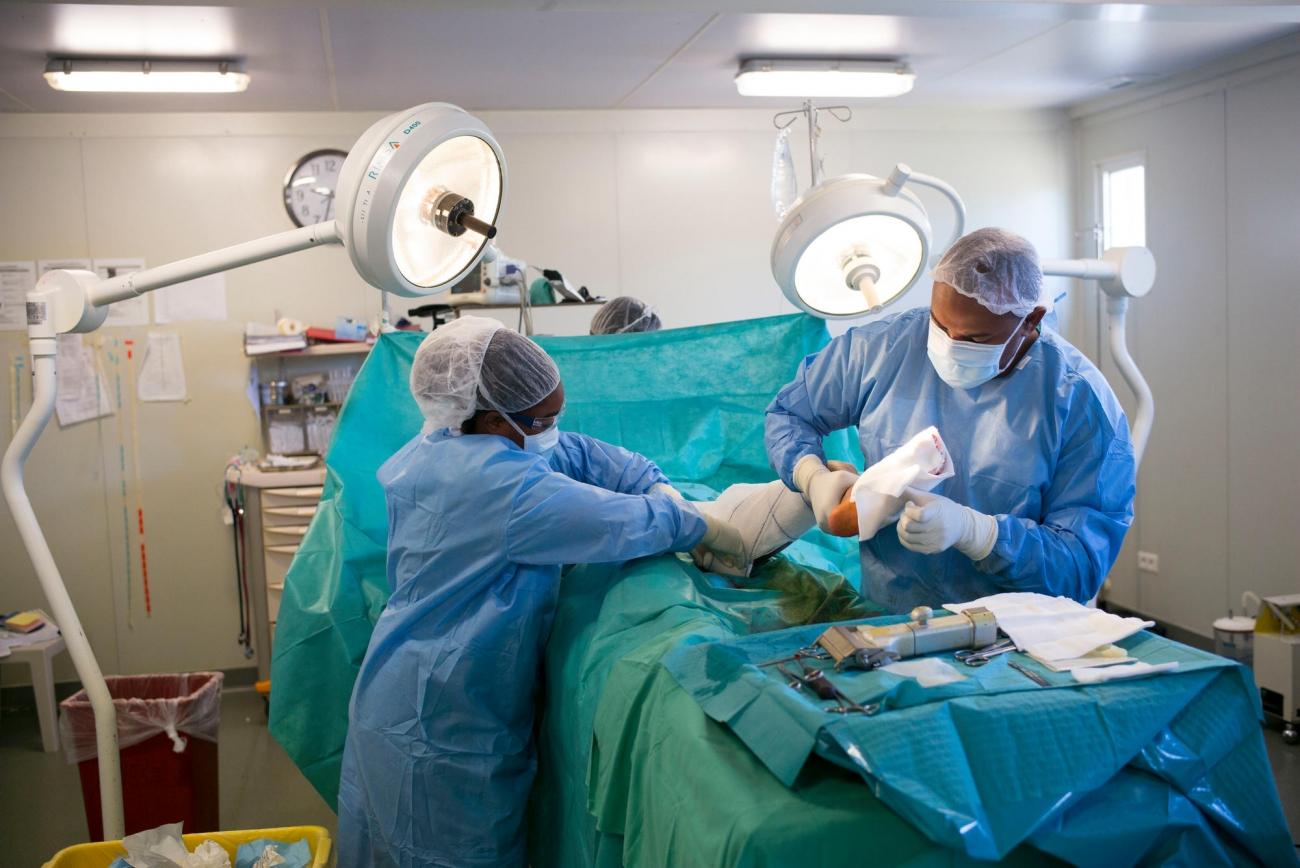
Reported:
(282, 47)
(9, 104)
(1075, 60)
(500, 60)
(702, 75)
(510, 55)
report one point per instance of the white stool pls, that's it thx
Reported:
(40, 657)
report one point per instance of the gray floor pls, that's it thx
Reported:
(40, 803)
(260, 787)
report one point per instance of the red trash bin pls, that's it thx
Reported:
(167, 736)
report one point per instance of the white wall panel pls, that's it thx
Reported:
(672, 206)
(1218, 339)
(1263, 337)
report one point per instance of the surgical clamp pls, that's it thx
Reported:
(980, 656)
(816, 681)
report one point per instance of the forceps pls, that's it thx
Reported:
(980, 656)
(816, 681)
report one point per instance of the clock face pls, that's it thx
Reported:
(310, 186)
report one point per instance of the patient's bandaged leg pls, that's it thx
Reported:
(768, 516)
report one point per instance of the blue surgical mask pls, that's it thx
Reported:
(544, 442)
(965, 364)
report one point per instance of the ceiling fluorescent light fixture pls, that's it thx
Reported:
(824, 78)
(146, 76)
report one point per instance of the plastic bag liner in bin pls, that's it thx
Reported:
(167, 736)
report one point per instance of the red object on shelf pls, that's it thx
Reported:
(326, 336)
(159, 785)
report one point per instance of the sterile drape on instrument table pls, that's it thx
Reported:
(632, 771)
(993, 761)
(692, 400)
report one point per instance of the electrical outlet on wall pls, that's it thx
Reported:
(1148, 562)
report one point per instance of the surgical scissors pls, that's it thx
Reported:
(980, 656)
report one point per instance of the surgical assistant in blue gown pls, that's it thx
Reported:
(1044, 449)
(439, 756)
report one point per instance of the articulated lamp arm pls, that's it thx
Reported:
(903, 174)
(1123, 273)
(77, 301)
(402, 227)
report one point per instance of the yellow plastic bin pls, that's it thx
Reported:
(102, 853)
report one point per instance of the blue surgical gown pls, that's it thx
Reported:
(439, 757)
(1045, 449)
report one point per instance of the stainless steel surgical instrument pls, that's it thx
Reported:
(980, 656)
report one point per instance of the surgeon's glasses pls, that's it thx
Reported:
(536, 423)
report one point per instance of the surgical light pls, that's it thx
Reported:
(417, 211)
(146, 76)
(418, 199)
(852, 245)
(824, 78)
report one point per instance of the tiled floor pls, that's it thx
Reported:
(40, 801)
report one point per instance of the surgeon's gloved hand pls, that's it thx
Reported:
(822, 487)
(723, 544)
(931, 524)
(665, 488)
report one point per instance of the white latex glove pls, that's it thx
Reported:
(931, 524)
(822, 487)
(723, 542)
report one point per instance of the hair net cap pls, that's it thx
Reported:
(517, 374)
(997, 268)
(475, 363)
(625, 314)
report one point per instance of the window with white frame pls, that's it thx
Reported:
(1123, 203)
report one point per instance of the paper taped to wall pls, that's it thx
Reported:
(203, 298)
(82, 392)
(162, 373)
(16, 280)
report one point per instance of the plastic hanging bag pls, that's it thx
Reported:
(921, 463)
(180, 705)
(785, 187)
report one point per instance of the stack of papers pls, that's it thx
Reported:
(261, 339)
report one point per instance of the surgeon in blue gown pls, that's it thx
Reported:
(1044, 484)
(483, 509)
